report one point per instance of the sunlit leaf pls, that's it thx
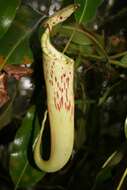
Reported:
(15, 48)
(22, 168)
(8, 10)
(87, 10)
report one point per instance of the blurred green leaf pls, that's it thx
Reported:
(80, 133)
(125, 127)
(22, 169)
(104, 175)
(124, 60)
(82, 50)
(122, 180)
(118, 63)
(8, 10)
(65, 2)
(114, 158)
(15, 47)
(6, 115)
(87, 10)
(79, 43)
(106, 170)
(78, 38)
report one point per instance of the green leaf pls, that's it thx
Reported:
(87, 10)
(6, 115)
(79, 43)
(8, 10)
(82, 50)
(78, 37)
(22, 169)
(15, 47)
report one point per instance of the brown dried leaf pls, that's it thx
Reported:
(17, 71)
(3, 89)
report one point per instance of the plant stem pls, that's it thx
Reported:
(94, 57)
(107, 93)
(69, 41)
(90, 56)
(122, 179)
(89, 35)
(117, 63)
(118, 55)
(96, 42)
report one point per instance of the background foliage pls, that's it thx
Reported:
(99, 47)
